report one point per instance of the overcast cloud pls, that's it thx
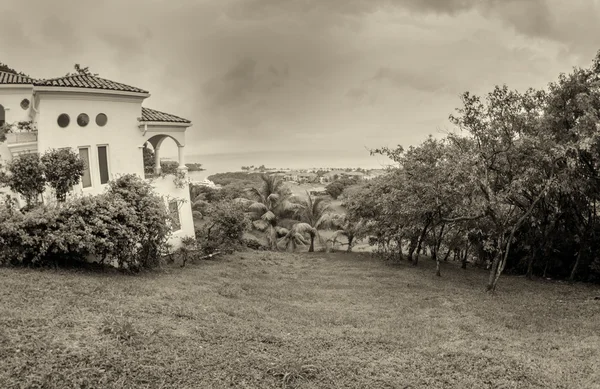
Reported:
(299, 74)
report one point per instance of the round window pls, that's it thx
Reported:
(25, 103)
(63, 120)
(101, 119)
(83, 119)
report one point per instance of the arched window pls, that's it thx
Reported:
(1, 115)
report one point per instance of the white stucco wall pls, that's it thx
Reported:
(166, 188)
(10, 99)
(121, 133)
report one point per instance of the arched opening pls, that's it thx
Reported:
(2, 116)
(162, 157)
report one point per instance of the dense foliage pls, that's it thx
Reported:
(26, 177)
(28, 174)
(63, 169)
(336, 188)
(224, 226)
(128, 225)
(248, 179)
(516, 188)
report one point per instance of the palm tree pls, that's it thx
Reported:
(347, 228)
(270, 205)
(316, 213)
(295, 236)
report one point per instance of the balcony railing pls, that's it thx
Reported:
(21, 137)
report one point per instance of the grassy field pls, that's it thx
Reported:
(273, 320)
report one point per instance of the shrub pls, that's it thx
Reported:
(105, 226)
(226, 222)
(207, 193)
(335, 189)
(63, 169)
(152, 228)
(128, 224)
(254, 244)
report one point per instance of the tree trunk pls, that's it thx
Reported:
(494, 268)
(399, 243)
(465, 256)
(421, 238)
(437, 268)
(311, 249)
(491, 286)
(575, 266)
(273, 237)
(546, 267)
(447, 255)
(530, 261)
(412, 247)
(350, 239)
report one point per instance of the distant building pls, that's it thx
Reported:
(338, 174)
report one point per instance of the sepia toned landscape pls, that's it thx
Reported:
(300, 194)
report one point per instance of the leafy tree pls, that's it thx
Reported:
(63, 169)
(335, 189)
(149, 160)
(26, 177)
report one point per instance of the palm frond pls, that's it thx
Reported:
(320, 205)
(243, 201)
(286, 222)
(268, 216)
(336, 236)
(304, 228)
(327, 221)
(258, 208)
(260, 225)
(273, 197)
(281, 231)
(255, 194)
(298, 238)
(291, 207)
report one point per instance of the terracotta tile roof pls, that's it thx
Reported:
(10, 78)
(151, 115)
(88, 82)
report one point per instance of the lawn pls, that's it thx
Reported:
(274, 320)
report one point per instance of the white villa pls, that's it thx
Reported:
(104, 122)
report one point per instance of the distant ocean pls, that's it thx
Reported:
(232, 162)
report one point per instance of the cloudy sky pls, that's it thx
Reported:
(296, 75)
